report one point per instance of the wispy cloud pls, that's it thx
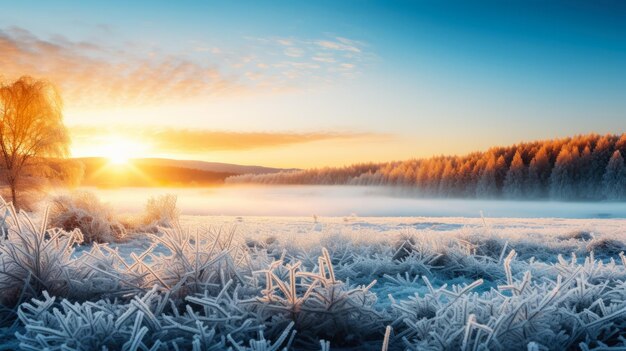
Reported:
(194, 141)
(93, 74)
(288, 62)
(90, 74)
(341, 44)
(293, 52)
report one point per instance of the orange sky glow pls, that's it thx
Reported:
(328, 85)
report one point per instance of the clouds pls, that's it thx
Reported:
(90, 74)
(289, 62)
(341, 44)
(94, 75)
(194, 141)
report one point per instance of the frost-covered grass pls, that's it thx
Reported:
(99, 222)
(84, 211)
(259, 283)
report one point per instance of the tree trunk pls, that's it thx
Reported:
(13, 195)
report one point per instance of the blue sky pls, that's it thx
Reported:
(373, 80)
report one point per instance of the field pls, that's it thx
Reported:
(338, 200)
(318, 283)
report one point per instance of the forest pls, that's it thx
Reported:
(583, 168)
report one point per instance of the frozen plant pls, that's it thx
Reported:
(262, 344)
(195, 263)
(34, 258)
(160, 211)
(88, 326)
(319, 305)
(83, 210)
(518, 315)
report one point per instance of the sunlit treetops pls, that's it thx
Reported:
(583, 167)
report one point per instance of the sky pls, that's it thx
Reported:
(321, 83)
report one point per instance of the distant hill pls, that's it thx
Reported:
(208, 166)
(153, 172)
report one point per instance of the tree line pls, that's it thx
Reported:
(583, 167)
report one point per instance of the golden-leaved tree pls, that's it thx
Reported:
(31, 130)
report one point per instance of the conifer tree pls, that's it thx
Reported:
(562, 177)
(614, 179)
(486, 186)
(621, 144)
(515, 178)
(538, 174)
(599, 158)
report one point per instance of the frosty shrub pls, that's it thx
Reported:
(318, 305)
(521, 314)
(33, 259)
(148, 323)
(88, 326)
(606, 247)
(83, 210)
(160, 211)
(283, 342)
(403, 247)
(198, 262)
(582, 235)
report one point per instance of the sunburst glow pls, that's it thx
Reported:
(119, 151)
(117, 157)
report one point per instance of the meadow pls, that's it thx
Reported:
(161, 281)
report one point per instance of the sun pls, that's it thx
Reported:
(117, 157)
(119, 151)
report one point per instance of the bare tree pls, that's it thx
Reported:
(31, 128)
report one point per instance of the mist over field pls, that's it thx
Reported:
(371, 201)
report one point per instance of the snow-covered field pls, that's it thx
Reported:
(320, 283)
(301, 228)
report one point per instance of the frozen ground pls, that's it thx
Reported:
(355, 226)
(542, 239)
(326, 283)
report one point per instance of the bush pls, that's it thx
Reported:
(606, 247)
(318, 305)
(580, 235)
(34, 259)
(83, 210)
(521, 314)
(192, 264)
(99, 223)
(160, 211)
